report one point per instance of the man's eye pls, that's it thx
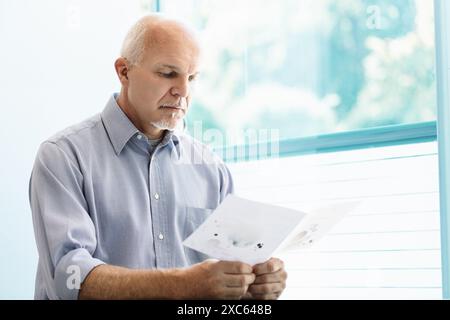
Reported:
(168, 75)
(192, 78)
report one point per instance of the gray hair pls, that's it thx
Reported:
(139, 37)
(136, 40)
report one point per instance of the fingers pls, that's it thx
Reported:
(270, 266)
(247, 296)
(235, 280)
(271, 296)
(233, 267)
(243, 280)
(278, 276)
(266, 289)
(237, 286)
(234, 293)
(269, 286)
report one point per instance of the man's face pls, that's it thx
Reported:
(159, 87)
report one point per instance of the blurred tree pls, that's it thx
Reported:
(310, 67)
(346, 48)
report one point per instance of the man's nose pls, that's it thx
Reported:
(181, 88)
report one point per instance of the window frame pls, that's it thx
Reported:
(442, 25)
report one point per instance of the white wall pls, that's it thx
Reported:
(56, 69)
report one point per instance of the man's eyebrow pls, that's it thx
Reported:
(170, 66)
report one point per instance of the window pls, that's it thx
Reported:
(306, 67)
(351, 88)
(389, 248)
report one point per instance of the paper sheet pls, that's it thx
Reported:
(316, 224)
(251, 232)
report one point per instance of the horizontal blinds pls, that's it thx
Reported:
(388, 249)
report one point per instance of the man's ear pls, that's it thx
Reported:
(122, 67)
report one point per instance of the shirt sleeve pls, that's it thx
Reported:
(64, 231)
(226, 181)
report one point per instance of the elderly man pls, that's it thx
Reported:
(114, 196)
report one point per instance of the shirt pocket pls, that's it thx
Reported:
(194, 218)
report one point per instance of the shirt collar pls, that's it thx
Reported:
(172, 139)
(120, 129)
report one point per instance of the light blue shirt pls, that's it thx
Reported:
(97, 198)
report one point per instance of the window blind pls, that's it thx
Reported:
(389, 248)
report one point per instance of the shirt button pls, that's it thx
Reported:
(139, 136)
(161, 236)
(156, 196)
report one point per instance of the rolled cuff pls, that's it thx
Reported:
(71, 271)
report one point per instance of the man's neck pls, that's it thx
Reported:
(152, 132)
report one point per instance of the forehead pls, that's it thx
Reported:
(172, 46)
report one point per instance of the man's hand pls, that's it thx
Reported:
(270, 280)
(214, 279)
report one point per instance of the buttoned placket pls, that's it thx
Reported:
(157, 208)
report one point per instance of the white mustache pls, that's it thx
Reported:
(180, 105)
